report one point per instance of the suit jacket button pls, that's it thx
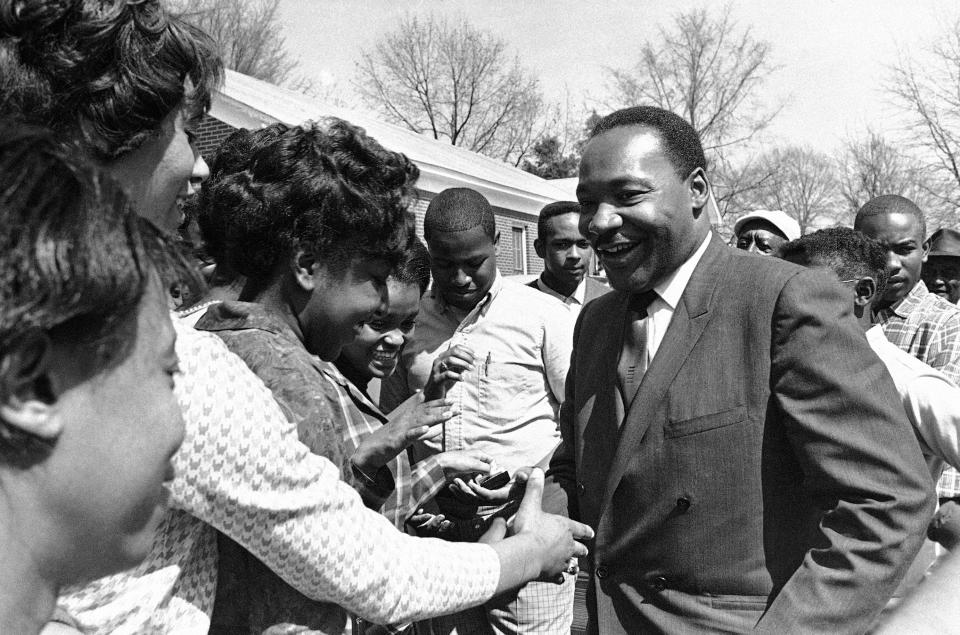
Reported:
(683, 504)
(601, 571)
(581, 488)
(659, 583)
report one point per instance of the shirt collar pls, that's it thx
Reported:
(875, 334)
(671, 288)
(482, 307)
(578, 294)
(910, 303)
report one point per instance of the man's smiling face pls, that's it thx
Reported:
(637, 212)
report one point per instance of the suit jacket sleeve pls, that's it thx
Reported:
(858, 455)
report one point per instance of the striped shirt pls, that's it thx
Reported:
(928, 327)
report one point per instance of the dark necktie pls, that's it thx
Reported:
(633, 355)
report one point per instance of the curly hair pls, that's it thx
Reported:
(326, 188)
(103, 72)
(74, 261)
(232, 156)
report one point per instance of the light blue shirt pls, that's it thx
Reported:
(509, 401)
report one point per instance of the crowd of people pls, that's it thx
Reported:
(346, 428)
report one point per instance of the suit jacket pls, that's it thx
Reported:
(764, 472)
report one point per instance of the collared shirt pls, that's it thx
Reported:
(574, 301)
(930, 399)
(508, 402)
(242, 470)
(669, 291)
(928, 327)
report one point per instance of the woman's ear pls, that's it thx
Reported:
(28, 402)
(303, 265)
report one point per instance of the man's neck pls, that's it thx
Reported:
(559, 286)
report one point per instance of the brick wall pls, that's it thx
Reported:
(507, 221)
(209, 135)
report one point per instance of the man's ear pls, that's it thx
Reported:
(865, 290)
(538, 247)
(303, 265)
(926, 250)
(28, 402)
(699, 188)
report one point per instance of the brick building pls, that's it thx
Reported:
(517, 196)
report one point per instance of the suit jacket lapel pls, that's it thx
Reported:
(687, 325)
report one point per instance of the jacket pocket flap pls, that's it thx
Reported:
(683, 427)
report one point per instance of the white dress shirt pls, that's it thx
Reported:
(931, 400)
(669, 291)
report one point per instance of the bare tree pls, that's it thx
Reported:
(249, 37)
(706, 70)
(802, 183)
(929, 94)
(454, 82)
(871, 166)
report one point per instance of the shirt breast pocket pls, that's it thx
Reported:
(504, 390)
(676, 428)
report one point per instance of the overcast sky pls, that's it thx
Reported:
(832, 55)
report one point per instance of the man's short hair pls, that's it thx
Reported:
(74, 262)
(458, 209)
(679, 141)
(414, 266)
(891, 204)
(849, 253)
(104, 72)
(552, 210)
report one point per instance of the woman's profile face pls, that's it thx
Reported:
(162, 172)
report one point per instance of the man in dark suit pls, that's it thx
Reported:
(727, 430)
(566, 257)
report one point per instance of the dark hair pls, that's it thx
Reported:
(104, 72)
(848, 252)
(681, 143)
(324, 187)
(74, 261)
(552, 210)
(232, 156)
(891, 204)
(457, 209)
(414, 267)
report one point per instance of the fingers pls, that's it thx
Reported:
(580, 531)
(496, 532)
(500, 495)
(532, 497)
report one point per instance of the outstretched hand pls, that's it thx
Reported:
(550, 541)
(380, 447)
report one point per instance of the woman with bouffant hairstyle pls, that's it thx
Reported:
(125, 79)
(88, 419)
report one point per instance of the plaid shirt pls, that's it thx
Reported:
(242, 471)
(414, 485)
(928, 327)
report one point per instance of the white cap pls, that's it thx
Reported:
(779, 219)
